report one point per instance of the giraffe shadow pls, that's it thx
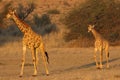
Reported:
(84, 66)
(2, 64)
(112, 60)
(91, 64)
(28, 64)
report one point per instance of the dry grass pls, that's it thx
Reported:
(65, 64)
(54, 39)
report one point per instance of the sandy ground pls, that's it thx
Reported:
(65, 64)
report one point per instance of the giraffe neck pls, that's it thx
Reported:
(24, 28)
(96, 34)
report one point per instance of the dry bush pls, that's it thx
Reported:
(24, 11)
(3, 11)
(104, 14)
(53, 11)
(44, 24)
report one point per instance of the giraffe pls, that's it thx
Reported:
(31, 40)
(100, 45)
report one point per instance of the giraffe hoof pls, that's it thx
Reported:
(98, 67)
(101, 67)
(34, 75)
(47, 74)
(20, 76)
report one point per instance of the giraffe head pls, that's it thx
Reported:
(10, 14)
(90, 27)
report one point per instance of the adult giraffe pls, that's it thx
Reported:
(31, 40)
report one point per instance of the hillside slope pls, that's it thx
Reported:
(57, 10)
(43, 7)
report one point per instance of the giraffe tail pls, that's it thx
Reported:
(108, 54)
(47, 56)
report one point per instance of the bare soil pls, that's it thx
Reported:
(65, 64)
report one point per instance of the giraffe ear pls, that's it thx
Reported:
(89, 25)
(14, 11)
(93, 26)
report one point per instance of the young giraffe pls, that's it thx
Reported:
(30, 40)
(100, 44)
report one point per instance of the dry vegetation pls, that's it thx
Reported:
(64, 23)
(54, 11)
(104, 14)
(66, 62)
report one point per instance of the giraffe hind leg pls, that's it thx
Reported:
(107, 59)
(44, 60)
(44, 55)
(47, 56)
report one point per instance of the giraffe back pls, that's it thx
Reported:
(31, 39)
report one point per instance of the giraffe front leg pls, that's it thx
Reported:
(23, 60)
(36, 56)
(34, 61)
(97, 66)
(101, 58)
